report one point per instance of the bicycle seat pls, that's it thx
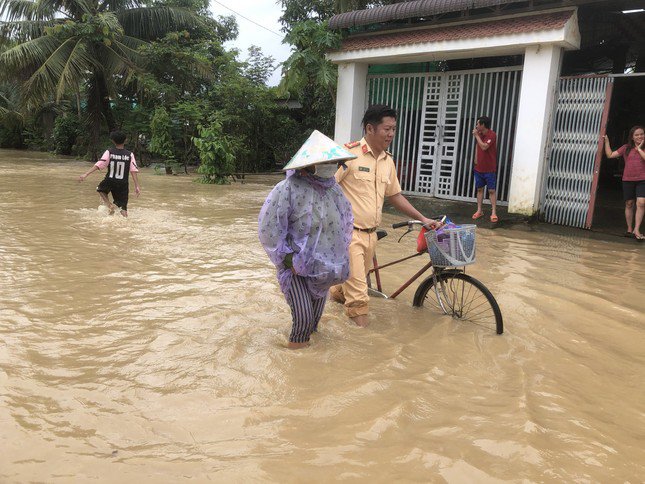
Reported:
(380, 234)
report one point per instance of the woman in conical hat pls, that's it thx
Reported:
(305, 227)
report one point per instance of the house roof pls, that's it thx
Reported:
(410, 9)
(509, 26)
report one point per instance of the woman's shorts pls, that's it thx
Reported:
(633, 189)
(120, 192)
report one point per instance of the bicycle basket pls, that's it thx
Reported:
(452, 247)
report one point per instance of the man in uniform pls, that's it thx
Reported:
(366, 181)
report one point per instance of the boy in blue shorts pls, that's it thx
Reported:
(120, 163)
(485, 166)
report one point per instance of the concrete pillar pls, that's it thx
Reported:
(350, 101)
(539, 80)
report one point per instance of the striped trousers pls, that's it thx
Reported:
(306, 310)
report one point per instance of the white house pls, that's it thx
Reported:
(443, 63)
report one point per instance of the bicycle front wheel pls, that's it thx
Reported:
(463, 297)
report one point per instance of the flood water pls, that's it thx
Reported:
(152, 350)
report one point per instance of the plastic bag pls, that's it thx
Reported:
(422, 244)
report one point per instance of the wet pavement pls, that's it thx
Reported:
(608, 223)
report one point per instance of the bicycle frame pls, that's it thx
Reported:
(454, 292)
(377, 274)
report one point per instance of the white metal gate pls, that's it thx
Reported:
(576, 149)
(434, 148)
(405, 94)
(440, 135)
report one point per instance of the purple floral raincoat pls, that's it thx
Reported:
(311, 218)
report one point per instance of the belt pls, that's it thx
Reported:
(369, 231)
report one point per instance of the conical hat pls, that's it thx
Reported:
(318, 149)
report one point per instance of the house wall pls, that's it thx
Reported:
(539, 80)
(350, 101)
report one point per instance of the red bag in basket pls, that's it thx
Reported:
(422, 245)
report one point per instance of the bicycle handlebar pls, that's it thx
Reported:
(399, 224)
(410, 223)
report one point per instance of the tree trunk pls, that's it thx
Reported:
(94, 118)
(106, 109)
(78, 103)
(99, 109)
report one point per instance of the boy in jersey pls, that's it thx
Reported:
(120, 164)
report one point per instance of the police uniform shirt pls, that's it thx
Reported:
(366, 182)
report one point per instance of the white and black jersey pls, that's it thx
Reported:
(118, 168)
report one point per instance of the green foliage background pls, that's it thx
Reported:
(73, 70)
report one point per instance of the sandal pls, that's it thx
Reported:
(629, 235)
(477, 215)
(494, 218)
(639, 237)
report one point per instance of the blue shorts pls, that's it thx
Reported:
(486, 179)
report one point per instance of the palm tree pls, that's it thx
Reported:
(61, 46)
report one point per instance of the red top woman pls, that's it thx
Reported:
(633, 178)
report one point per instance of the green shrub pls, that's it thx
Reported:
(161, 143)
(215, 154)
(67, 129)
(11, 131)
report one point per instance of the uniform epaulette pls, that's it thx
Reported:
(386, 151)
(352, 144)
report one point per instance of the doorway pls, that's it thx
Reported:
(627, 109)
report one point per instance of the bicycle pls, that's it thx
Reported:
(448, 288)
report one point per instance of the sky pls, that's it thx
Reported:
(260, 27)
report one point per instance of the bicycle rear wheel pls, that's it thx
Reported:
(463, 297)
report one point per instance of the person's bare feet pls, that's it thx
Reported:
(361, 320)
(297, 346)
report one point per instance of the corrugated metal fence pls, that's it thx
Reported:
(576, 131)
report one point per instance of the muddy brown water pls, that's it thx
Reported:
(151, 350)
